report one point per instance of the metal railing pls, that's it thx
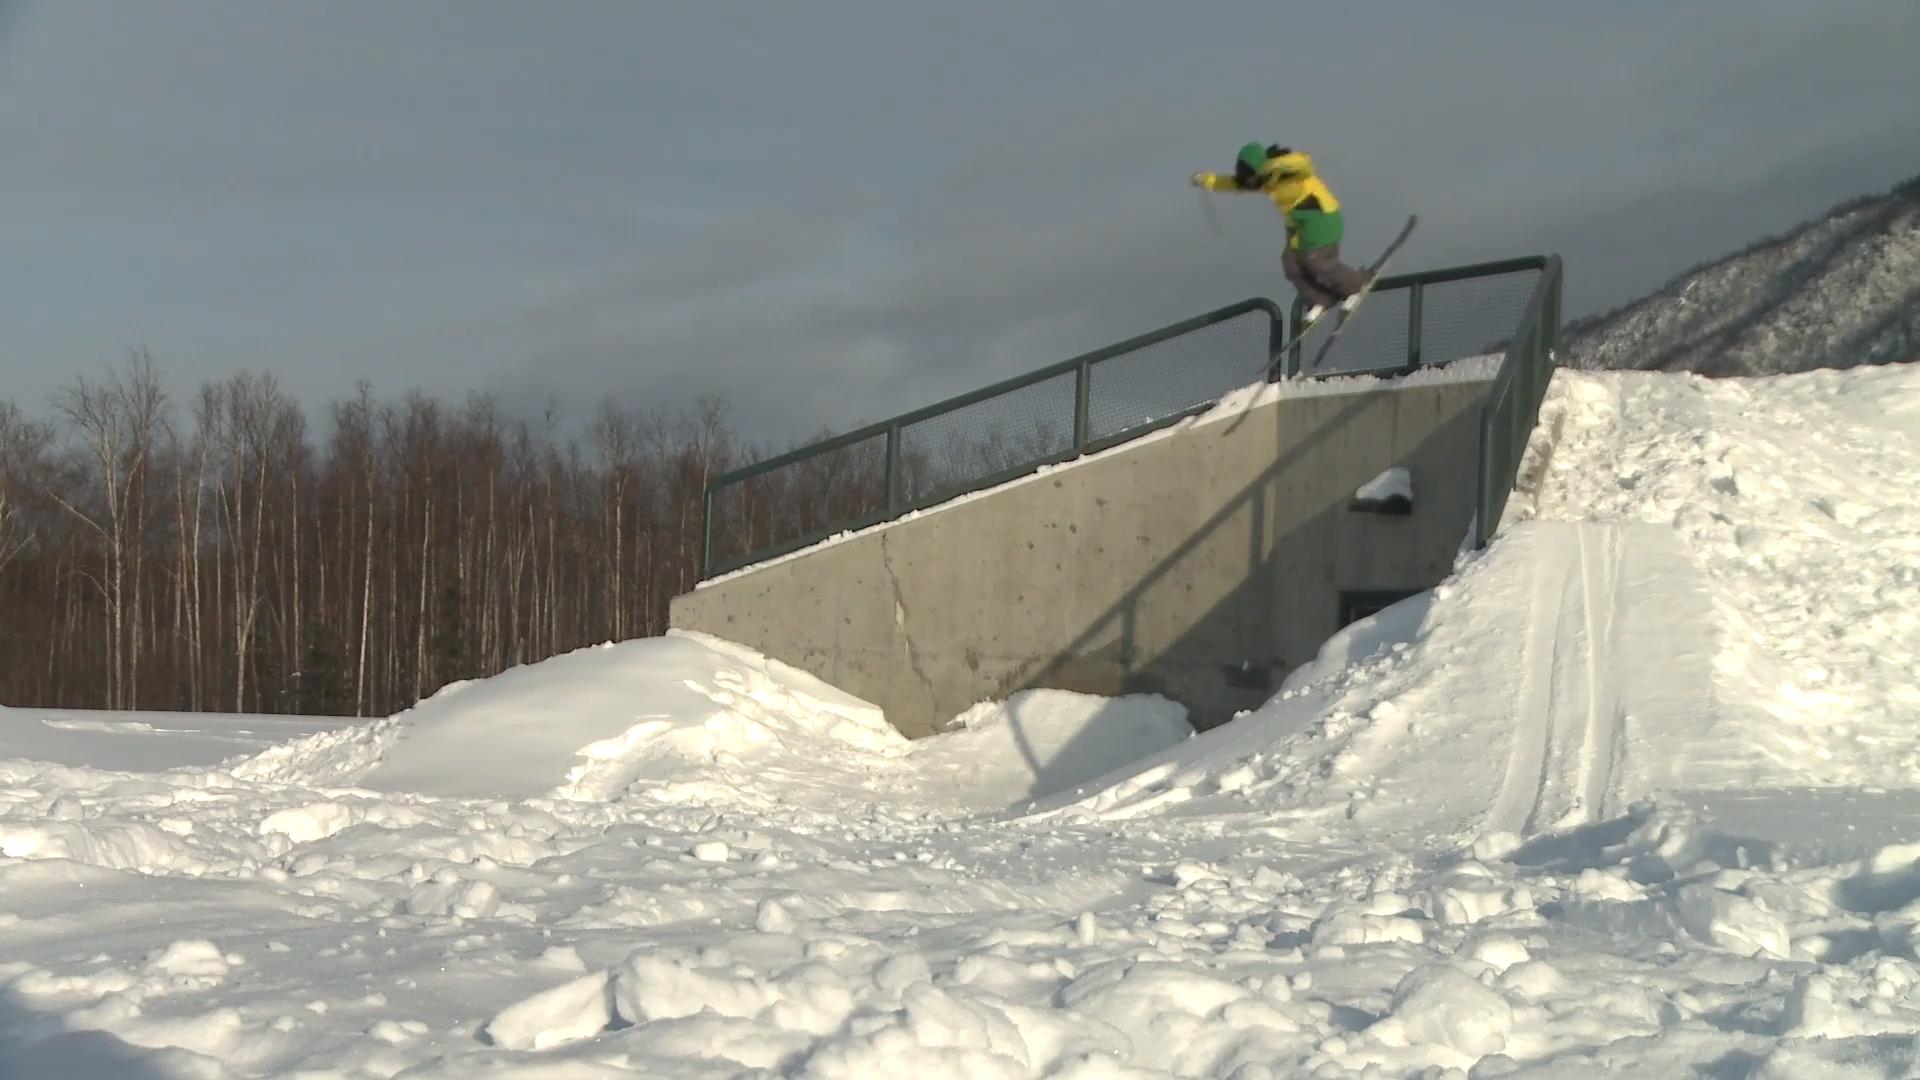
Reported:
(1425, 319)
(1114, 395)
(995, 434)
(1512, 406)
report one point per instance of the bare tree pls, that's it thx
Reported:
(231, 564)
(253, 428)
(23, 448)
(117, 421)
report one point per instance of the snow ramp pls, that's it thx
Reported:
(1613, 674)
(1551, 682)
(1701, 586)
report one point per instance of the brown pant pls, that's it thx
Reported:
(1320, 275)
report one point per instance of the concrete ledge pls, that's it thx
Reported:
(1202, 566)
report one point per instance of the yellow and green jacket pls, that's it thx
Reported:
(1312, 213)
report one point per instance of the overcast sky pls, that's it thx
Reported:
(831, 211)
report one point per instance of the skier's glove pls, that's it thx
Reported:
(1199, 180)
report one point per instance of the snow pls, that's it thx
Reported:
(1632, 791)
(588, 724)
(148, 740)
(1396, 482)
(1042, 742)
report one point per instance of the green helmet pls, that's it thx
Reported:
(1249, 169)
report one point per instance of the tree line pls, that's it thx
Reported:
(217, 553)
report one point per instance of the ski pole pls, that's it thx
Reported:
(1206, 207)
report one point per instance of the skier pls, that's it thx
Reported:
(1312, 260)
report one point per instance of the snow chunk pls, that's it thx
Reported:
(1499, 951)
(449, 894)
(194, 958)
(650, 988)
(561, 958)
(1389, 493)
(305, 824)
(1732, 922)
(771, 917)
(1533, 979)
(1437, 1005)
(1471, 893)
(1130, 995)
(1356, 928)
(571, 1011)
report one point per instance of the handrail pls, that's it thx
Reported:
(1529, 348)
(1081, 367)
(1006, 386)
(1417, 282)
(1512, 405)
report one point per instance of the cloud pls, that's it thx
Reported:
(836, 213)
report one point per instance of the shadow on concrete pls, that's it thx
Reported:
(1243, 626)
(34, 1046)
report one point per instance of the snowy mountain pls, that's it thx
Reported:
(1833, 293)
(1632, 793)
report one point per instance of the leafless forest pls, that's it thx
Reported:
(220, 552)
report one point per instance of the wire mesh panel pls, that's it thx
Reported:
(1005, 430)
(956, 451)
(1416, 321)
(1474, 317)
(982, 438)
(1375, 337)
(759, 515)
(1135, 390)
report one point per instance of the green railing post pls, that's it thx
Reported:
(1415, 294)
(1082, 406)
(1293, 356)
(1513, 405)
(1483, 498)
(893, 468)
(706, 533)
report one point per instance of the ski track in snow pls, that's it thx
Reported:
(1569, 733)
(1632, 792)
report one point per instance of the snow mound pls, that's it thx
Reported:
(326, 758)
(1705, 585)
(1039, 742)
(1795, 497)
(591, 724)
(1593, 692)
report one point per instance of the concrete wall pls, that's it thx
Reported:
(1203, 566)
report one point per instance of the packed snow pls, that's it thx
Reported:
(1632, 792)
(147, 740)
(1391, 491)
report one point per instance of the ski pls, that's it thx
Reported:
(1278, 362)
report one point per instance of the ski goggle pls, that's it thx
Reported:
(1245, 175)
